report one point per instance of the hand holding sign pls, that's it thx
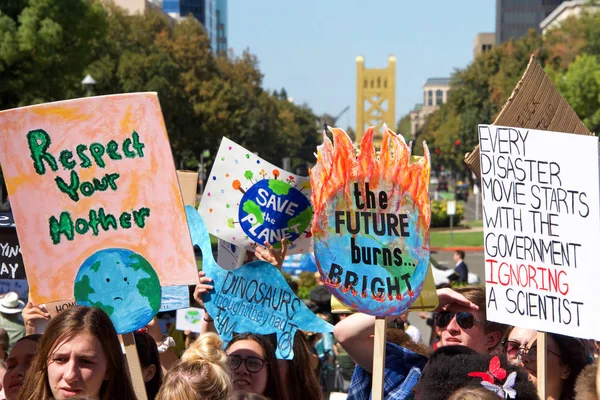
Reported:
(254, 298)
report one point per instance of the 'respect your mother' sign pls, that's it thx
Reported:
(248, 200)
(371, 222)
(97, 205)
(542, 229)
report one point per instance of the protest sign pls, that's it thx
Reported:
(253, 298)
(248, 200)
(11, 261)
(371, 222)
(541, 228)
(97, 205)
(189, 319)
(535, 104)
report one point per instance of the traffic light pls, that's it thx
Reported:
(438, 151)
(457, 145)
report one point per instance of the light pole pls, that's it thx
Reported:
(88, 82)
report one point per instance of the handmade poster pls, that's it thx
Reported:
(371, 221)
(110, 230)
(541, 229)
(254, 298)
(248, 200)
(189, 319)
(11, 261)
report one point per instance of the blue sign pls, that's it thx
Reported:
(254, 298)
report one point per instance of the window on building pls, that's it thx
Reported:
(430, 98)
(439, 97)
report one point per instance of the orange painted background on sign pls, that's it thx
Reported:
(149, 181)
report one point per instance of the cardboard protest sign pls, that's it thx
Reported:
(535, 104)
(371, 222)
(253, 298)
(97, 205)
(542, 228)
(189, 319)
(248, 200)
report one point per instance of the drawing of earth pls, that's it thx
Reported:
(192, 316)
(123, 284)
(272, 210)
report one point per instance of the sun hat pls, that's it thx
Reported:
(10, 303)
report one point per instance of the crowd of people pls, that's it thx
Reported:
(80, 356)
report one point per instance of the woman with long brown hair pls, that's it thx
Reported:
(79, 356)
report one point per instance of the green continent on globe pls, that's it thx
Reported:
(148, 287)
(252, 208)
(302, 219)
(280, 188)
(193, 316)
(83, 289)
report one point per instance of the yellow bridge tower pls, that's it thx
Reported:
(375, 97)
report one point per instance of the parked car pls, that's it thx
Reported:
(442, 185)
(461, 192)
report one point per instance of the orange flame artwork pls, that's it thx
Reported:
(371, 221)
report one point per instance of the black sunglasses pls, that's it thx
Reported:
(253, 364)
(464, 319)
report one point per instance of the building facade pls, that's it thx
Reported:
(435, 93)
(141, 6)
(567, 9)
(483, 42)
(514, 18)
(221, 26)
(204, 11)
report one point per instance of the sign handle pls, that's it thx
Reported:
(135, 369)
(378, 359)
(541, 364)
(597, 380)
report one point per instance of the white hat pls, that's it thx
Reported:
(10, 304)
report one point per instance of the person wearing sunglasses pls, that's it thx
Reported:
(403, 363)
(517, 339)
(463, 326)
(566, 357)
(253, 365)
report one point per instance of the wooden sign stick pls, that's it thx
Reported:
(135, 369)
(378, 359)
(541, 364)
(597, 380)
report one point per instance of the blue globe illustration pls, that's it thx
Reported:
(272, 210)
(123, 284)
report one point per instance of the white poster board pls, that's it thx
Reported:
(189, 319)
(248, 200)
(541, 229)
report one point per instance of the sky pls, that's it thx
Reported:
(309, 47)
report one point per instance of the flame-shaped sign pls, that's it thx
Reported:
(371, 221)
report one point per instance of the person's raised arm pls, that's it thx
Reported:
(355, 333)
(272, 255)
(207, 324)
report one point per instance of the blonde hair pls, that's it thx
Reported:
(471, 393)
(202, 373)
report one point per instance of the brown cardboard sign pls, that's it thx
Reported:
(536, 104)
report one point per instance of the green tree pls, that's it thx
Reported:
(581, 88)
(45, 48)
